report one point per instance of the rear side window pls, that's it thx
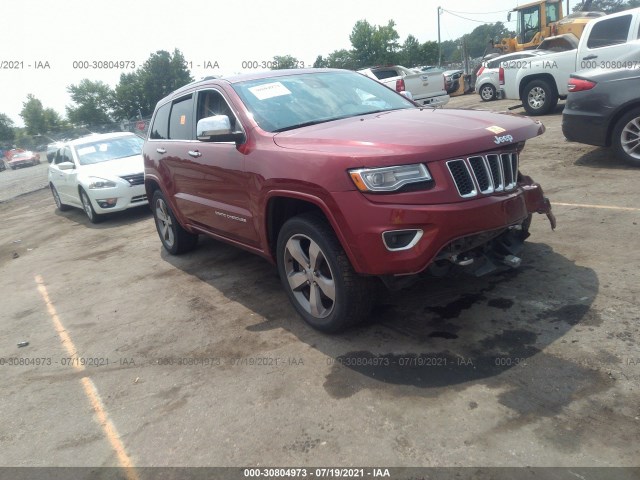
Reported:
(383, 74)
(160, 128)
(612, 31)
(181, 119)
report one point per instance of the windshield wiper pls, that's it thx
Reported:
(305, 124)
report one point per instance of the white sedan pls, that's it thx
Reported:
(99, 173)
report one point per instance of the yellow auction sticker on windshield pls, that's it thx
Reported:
(269, 90)
(495, 129)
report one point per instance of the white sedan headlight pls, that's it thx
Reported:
(388, 179)
(97, 182)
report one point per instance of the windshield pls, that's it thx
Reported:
(284, 103)
(109, 149)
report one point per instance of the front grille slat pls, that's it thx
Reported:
(481, 173)
(496, 172)
(485, 174)
(136, 179)
(462, 178)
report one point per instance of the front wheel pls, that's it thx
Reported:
(56, 198)
(539, 97)
(88, 208)
(318, 277)
(174, 238)
(487, 92)
(626, 138)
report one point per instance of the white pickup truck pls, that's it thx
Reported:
(608, 42)
(426, 88)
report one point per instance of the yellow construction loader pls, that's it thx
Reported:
(542, 19)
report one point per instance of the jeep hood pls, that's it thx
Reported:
(439, 133)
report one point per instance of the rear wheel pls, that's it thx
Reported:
(318, 277)
(88, 208)
(487, 92)
(56, 197)
(626, 138)
(539, 97)
(174, 238)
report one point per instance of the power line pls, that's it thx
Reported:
(478, 13)
(465, 18)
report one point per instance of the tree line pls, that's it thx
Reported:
(136, 94)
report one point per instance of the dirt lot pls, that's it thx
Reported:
(202, 362)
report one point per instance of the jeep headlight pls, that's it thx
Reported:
(97, 182)
(388, 179)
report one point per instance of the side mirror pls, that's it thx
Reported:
(66, 166)
(217, 129)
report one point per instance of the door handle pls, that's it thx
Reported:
(195, 153)
(161, 150)
(590, 57)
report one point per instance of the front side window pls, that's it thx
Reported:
(552, 12)
(210, 103)
(160, 128)
(284, 103)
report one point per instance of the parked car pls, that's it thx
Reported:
(22, 158)
(607, 42)
(490, 76)
(336, 179)
(426, 88)
(603, 108)
(99, 173)
(452, 80)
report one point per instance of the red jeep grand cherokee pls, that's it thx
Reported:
(337, 179)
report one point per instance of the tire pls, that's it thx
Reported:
(539, 97)
(174, 238)
(88, 208)
(626, 137)
(487, 92)
(313, 268)
(56, 198)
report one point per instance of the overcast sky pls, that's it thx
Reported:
(63, 31)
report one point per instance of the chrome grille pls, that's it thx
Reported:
(484, 173)
(462, 178)
(137, 179)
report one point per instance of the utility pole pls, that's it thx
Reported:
(439, 44)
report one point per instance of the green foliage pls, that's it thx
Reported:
(94, 103)
(374, 45)
(37, 119)
(342, 59)
(479, 39)
(7, 132)
(32, 114)
(138, 92)
(607, 6)
(284, 62)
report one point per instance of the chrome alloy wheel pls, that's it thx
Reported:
(630, 138)
(536, 97)
(487, 92)
(164, 223)
(309, 275)
(86, 204)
